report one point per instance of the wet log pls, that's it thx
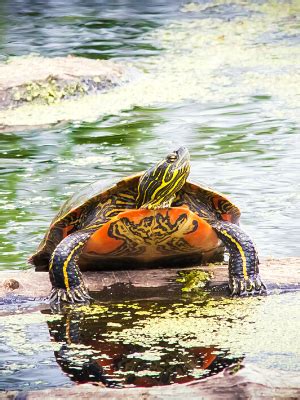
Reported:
(248, 382)
(280, 275)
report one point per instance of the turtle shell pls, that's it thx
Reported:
(145, 236)
(63, 222)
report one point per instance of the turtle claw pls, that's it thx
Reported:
(77, 295)
(242, 287)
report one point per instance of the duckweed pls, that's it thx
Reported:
(193, 280)
(203, 59)
(48, 92)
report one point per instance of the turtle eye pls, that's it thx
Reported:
(172, 157)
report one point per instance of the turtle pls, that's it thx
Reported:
(153, 219)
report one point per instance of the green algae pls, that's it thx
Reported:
(155, 335)
(91, 310)
(238, 324)
(48, 92)
(205, 60)
(193, 280)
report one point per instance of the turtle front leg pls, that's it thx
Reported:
(65, 276)
(244, 276)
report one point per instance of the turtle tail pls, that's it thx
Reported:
(40, 260)
(244, 276)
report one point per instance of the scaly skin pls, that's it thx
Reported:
(65, 276)
(244, 276)
(157, 188)
(165, 179)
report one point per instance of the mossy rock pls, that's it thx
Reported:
(40, 80)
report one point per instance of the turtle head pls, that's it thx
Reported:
(158, 186)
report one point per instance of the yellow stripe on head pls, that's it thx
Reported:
(160, 183)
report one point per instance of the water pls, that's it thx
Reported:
(221, 78)
(146, 342)
(254, 161)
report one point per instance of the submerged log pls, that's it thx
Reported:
(279, 275)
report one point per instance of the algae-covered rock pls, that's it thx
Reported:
(40, 80)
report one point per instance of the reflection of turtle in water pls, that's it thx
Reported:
(88, 354)
(155, 218)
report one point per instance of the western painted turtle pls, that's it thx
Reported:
(153, 219)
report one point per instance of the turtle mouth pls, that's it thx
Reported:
(183, 153)
(182, 163)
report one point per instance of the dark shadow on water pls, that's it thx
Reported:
(93, 347)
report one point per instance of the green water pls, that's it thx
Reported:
(220, 78)
(158, 340)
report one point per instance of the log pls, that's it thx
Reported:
(280, 275)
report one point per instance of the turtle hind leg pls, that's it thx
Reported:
(244, 278)
(67, 282)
